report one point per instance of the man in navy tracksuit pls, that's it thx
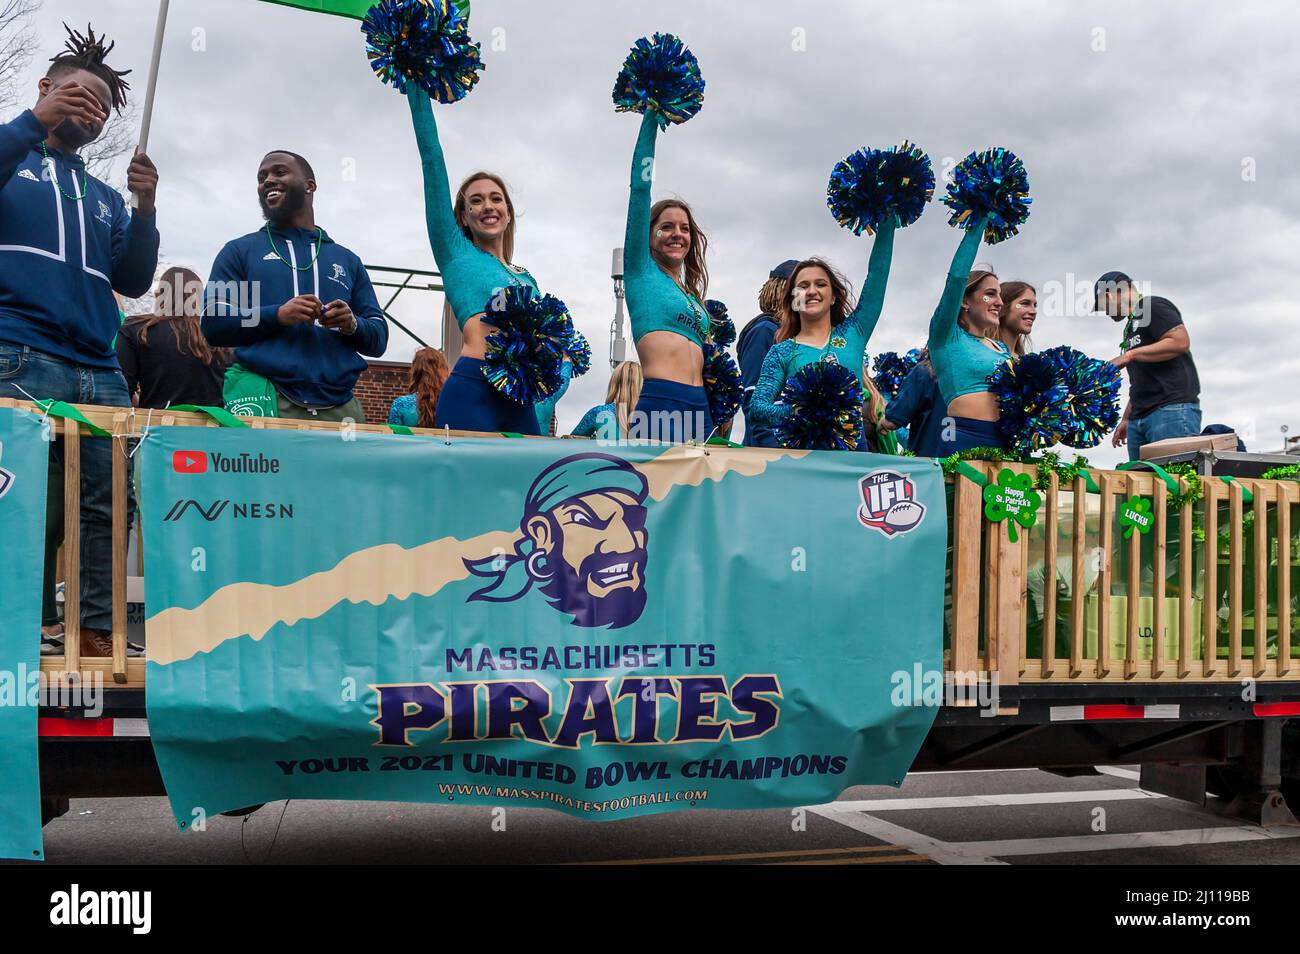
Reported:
(298, 308)
(67, 242)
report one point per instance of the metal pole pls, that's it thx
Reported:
(159, 31)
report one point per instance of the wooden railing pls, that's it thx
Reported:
(1056, 606)
(1205, 596)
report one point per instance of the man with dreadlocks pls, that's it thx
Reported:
(67, 242)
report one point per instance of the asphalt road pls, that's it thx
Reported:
(1002, 817)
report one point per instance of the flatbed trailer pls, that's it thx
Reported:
(1063, 676)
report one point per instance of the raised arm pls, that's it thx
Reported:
(872, 301)
(943, 326)
(445, 237)
(763, 408)
(18, 137)
(636, 242)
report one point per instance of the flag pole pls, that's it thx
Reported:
(159, 31)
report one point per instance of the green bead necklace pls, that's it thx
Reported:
(320, 236)
(50, 162)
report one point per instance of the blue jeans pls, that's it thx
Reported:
(43, 376)
(1172, 420)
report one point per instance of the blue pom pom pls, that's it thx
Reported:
(1092, 396)
(873, 186)
(524, 355)
(662, 77)
(424, 43)
(992, 183)
(889, 370)
(825, 401)
(721, 328)
(1031, 395)
(722, 385)
(579, 352)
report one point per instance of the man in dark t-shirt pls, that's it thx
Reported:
(1164, 389)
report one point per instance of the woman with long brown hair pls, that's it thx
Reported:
(429, 371)
(611, 421)
(164, 355)
(473, 242)
(819, 322)
(1016, 319)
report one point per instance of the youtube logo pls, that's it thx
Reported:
(189, 462)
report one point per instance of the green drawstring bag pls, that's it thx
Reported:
(249, 395)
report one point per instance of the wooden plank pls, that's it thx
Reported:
(1235, 565)
(1260, 564)
(117, 447)
(100, 665)
(1013, 562)
(1049, 577)
(1106, 543)
(993, 532)
(1210, 600)
(1160, 499)
(967, 571)
(71, 544)
(1078, 541)
(1133, 619)
(1186, 586)
(1283, 580)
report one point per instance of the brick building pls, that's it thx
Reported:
(378, 385)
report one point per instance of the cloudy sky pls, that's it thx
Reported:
(1159, 139)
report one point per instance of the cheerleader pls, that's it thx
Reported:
(819, 322)
(473, 242)
(989, 198)
(611, 421)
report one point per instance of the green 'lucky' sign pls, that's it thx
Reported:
(1136, 514)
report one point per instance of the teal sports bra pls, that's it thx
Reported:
(654, 301)
(846, 345)
(470, 276)
(962, 364)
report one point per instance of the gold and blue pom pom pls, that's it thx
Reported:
(721, 328)
(992, 183)
(1092, 396)
(874, 186)
(890, 368)
(825, 402)
(422, 43)
(662, 77)
(579, 353)
(1031, 396)
(524, 357)
(722, 385)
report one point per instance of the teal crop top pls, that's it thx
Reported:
(962, 364)
(846, 345)
(654, 301)
(470, 276)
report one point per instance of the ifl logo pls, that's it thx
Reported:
(889, 503)
(6, 477)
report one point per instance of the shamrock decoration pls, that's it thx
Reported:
(1014, 500)
(1136, 515)
(838, 342)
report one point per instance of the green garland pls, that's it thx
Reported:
(1195, 487)
(1050, 463)
(1290, 472)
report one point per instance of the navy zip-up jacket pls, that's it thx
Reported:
(755, 342)
(60, 259)
(919, 407)
(308, 364)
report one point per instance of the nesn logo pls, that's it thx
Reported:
(28, 174)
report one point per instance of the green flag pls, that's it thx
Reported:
(356, 9)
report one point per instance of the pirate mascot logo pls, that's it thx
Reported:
(584, 543)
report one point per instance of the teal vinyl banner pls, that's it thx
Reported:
(605, 630)
(24, 463)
